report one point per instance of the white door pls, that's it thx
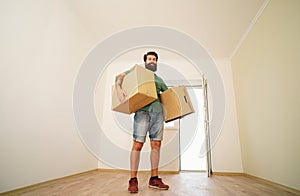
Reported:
(192, 135)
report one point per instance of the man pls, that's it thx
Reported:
(148, 119)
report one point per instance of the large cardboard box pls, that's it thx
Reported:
(176, 103)
(139, 86)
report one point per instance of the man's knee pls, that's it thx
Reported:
(155, 145)
(137, 146)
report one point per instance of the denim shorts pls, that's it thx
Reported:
(151, 122)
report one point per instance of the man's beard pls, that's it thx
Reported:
(151, 66)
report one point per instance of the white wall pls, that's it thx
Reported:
(41, 49)
(226, 154)
(42, 46)
(266, 80)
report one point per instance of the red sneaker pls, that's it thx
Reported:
(158, 184)
(133, 185)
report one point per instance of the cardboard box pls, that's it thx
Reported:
(176, 103)
(140, 89)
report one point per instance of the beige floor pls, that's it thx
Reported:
(185, 183)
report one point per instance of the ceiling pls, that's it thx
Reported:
(219, 25)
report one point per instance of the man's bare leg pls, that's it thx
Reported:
(154, 157)
(155, 181)
(135, 158)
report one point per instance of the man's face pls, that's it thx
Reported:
(151, 63)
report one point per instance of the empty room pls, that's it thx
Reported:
(155, 97)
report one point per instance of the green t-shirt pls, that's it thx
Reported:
(160, 87)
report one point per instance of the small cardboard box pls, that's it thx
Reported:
(139, 86)
(176, 103)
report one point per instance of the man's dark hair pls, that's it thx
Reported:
(150, 53)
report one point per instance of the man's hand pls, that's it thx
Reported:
(118, 83)
(121, 95)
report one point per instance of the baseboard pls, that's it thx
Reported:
(228, 174)
(290, 189)
(113, 170)
(37, 185)
(127, 171)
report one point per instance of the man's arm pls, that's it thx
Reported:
(118, 85)
(164, 87)
(162, 84)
